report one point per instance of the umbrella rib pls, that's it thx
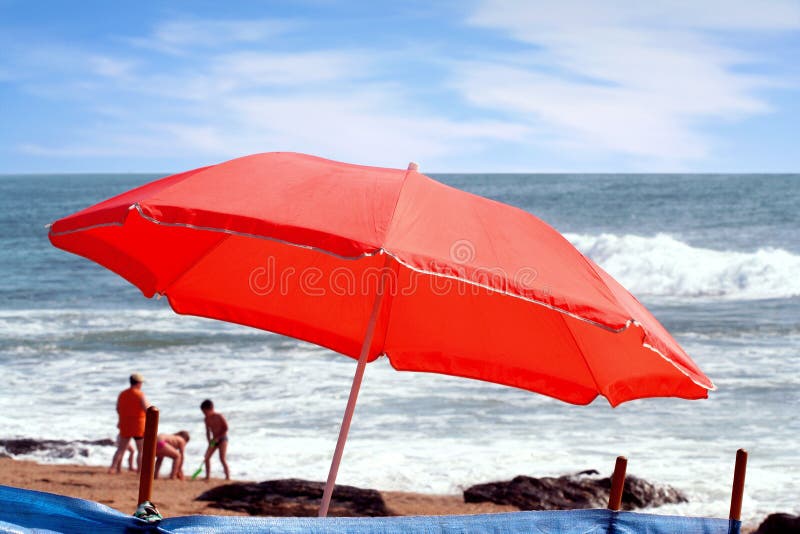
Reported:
(583, 356)
(388, 254)
(648, 346)
(514, 295)
(200, 258)
(599, 278)
(397, 203)
(247, 234)
(83, 228)
(185, 177)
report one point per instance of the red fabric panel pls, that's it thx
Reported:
(290, 290)
(448, 327)
(445, 326)
(341, 208)
(148, 255)
(440, 229)
(624, 369)
(653, 333)
(115, 209)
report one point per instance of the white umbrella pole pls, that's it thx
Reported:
(351, 402)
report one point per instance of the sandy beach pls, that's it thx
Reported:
(177, 498)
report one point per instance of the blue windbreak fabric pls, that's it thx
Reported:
(33, 511)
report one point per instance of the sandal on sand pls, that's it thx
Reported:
(147, 511)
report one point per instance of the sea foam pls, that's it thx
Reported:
(664, 266)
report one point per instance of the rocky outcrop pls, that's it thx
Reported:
(55, 448)
(583, 490)
(780, 524)
(294, 497)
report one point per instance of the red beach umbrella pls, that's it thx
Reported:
(371, 261)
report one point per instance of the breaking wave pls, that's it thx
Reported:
(664, 266)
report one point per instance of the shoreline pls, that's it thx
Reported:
(177, 497)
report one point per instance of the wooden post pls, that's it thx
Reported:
(617, 484)
(148, 456)
(351, 401)
(738, 485)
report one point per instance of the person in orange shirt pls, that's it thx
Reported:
(131, 407)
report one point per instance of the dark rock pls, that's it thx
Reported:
(55, 447)
(780, 524)
(572, 492)
(294, 497)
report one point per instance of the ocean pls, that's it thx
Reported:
(716, 258)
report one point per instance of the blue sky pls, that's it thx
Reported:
(480, 86)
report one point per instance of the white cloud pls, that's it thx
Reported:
(261, 69)
(111, 67)
(638, 78)
(634, 79)
(368, 126)
(526, 16)
(225, 103)
(371, 126)
(183, 36)
(207, 78)
(71, 150)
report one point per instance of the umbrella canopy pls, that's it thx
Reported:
(369, 261)
(295, 244)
